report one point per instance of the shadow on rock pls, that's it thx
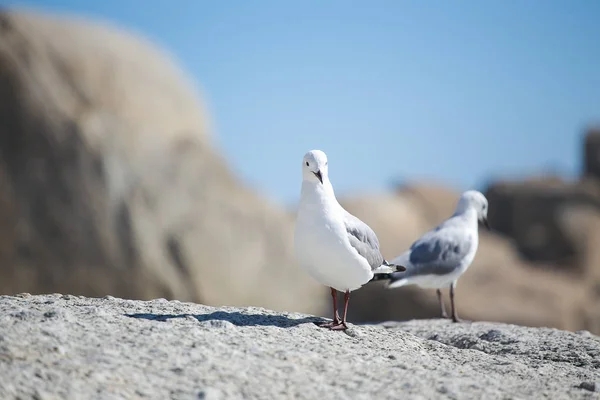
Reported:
(235, 318)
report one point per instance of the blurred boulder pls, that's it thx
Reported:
(396, 219)
(529, 212)
(434, 201)
(591, 153)
(109, 183)
(582, 224)
(499, 285)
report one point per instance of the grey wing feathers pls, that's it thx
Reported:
(437, 254)
(364, 240)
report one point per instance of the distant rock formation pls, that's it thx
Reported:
(109, 183)
(534, 213)
(591, 149)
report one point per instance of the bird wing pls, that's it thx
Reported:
(364, 240)
(439, 252)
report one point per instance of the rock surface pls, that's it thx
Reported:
(70, 347)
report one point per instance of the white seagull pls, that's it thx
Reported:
(439, 257)
(333, 246)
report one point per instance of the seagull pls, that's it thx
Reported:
(336, 248)
(439, 257)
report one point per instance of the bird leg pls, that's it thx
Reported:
(342, 325)
(336, 316)
(439, 295)
(454, 314)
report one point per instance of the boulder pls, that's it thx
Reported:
(434, 201)
(591, 153)
(528, 212)
(397, 220)
(109, 183)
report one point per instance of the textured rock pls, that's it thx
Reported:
(72, 347)
(109, 183)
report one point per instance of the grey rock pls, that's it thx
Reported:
(99, 349)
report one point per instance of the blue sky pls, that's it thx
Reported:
(455, 92)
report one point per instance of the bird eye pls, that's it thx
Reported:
(307, 163)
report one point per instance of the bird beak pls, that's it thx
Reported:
(486, 224)
(318, 175)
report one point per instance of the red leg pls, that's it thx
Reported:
(342, 325)
(336, 316)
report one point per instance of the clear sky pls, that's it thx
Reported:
(452, 91)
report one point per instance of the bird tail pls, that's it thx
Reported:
(386, 271)
(387, 268)
(396, 277)
(381, 276)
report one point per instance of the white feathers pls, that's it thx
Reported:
(333, 246)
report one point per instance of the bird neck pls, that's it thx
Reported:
(467, 213)
(318, 194)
